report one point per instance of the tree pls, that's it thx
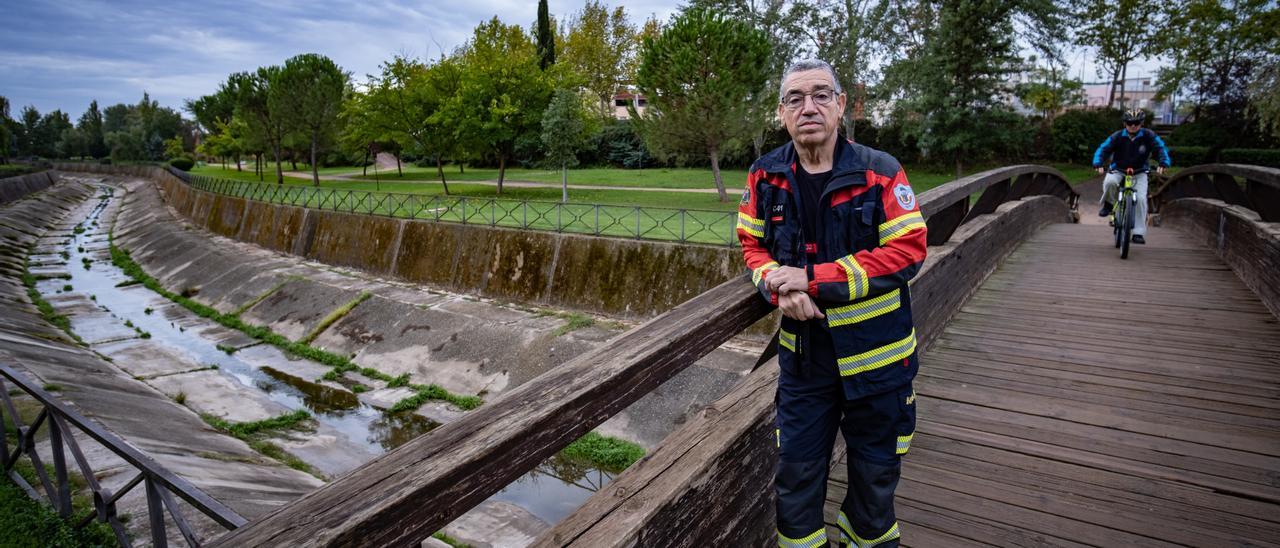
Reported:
(91, 126)
(1215, 46)
(563, 132)
(1049, 91)
(843, 33)
(214, 113)
(961, 75)
(405, 104)
(29, 132)
(259, 103)
(1121, 31)
(600, 49)
(6, 131)
(310, 88)
(502, 93)
(546, 37)
(701, 76)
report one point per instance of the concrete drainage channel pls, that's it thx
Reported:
(233, 379)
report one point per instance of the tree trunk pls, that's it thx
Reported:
(315, 170)
(564, 183)
(1124, 71)
(293, 160)
(279, 167)
(238, 168)
(502, 170)
(365, 163)
(1111, 98)
(714, 152)
(440, 169)
(959, 168)
(399, 171)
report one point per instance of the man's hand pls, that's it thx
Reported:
(798, 306)
(1100, 170)
(787, 279)
(1159, 170)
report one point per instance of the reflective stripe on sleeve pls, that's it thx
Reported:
(751, 225)
(894, 228)
(858, 286)
(787, 340)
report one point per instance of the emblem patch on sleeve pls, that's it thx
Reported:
(906, 198)
(746, 197)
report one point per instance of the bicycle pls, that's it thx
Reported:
(1122, 216)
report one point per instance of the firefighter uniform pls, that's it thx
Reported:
(852, 370)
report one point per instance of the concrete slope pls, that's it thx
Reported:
(175, 437)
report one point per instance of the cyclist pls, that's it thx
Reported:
(1130, 148)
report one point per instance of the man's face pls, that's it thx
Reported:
(1132, 127)
(809, 123)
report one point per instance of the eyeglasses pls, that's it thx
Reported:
(1133, 123)
(821, 97)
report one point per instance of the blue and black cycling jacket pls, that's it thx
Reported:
(1128, 151)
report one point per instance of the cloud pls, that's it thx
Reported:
(60, 54)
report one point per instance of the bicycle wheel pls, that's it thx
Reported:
(1115, 221)
(1127, 234)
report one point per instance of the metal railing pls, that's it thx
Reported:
(1253, 187)
(697, 226)
(160, 484)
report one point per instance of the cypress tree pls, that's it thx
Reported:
(546, 38)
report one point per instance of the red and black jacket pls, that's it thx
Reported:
(871, 241)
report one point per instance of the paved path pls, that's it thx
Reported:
(1081, 399)
(351, 177)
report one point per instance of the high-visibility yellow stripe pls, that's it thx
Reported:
(904, 443)
(846, 530)
(896, 227)
(758, 273)
(889, 535)
(787, 340)
(858, 287)
(813, 540)
(751, 225)
(864, 310)
(880, 357)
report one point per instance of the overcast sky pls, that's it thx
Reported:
(62, 54)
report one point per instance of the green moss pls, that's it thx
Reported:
(575, 322)
(455, 543)
(260, 298)
(334, 316)
(46, 309)
(254, 433)
(435, 392)
(604, 452)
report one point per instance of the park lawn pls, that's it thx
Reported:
(593, 176)
(269, 176)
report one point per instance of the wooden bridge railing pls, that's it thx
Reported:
(1240, 223)
(1260, 191)
(406, 495)
(59, 419)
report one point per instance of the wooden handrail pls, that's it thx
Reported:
(1260, 192)
(407, 494)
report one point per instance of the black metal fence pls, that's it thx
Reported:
(643, 223)
(57, 418)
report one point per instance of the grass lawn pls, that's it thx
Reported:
(623, 211)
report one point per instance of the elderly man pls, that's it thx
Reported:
(831, 232)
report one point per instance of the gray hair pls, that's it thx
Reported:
(806, 65)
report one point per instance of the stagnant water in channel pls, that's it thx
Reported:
(113, 315)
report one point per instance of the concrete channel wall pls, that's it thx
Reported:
(15, 188)
(627, 278)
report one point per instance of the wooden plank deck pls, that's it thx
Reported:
(1049, 417)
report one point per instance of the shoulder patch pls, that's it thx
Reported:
(906, 197)
(746, 197)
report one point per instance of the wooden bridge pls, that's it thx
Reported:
(1066, 396)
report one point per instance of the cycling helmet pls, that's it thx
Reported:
(1134, 115)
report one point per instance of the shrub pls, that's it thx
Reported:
(183, 163)
(1076, 134)
(1252, 156)
(1185, 156)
